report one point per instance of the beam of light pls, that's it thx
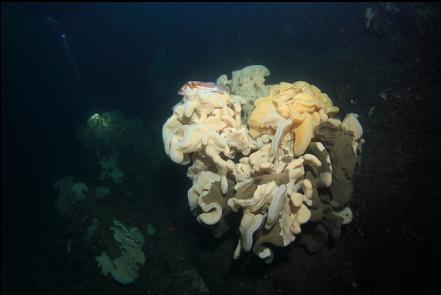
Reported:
(71, 58)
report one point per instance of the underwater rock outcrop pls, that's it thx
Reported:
(69, 193)
(112, 132)
(286, 172)
(110, 169)
(117, 143)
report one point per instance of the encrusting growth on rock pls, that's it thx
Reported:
(275, 155)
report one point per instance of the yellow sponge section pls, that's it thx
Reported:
(302, 103)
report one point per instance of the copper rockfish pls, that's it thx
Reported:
(201, 86)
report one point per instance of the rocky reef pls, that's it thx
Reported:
(272, 162)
